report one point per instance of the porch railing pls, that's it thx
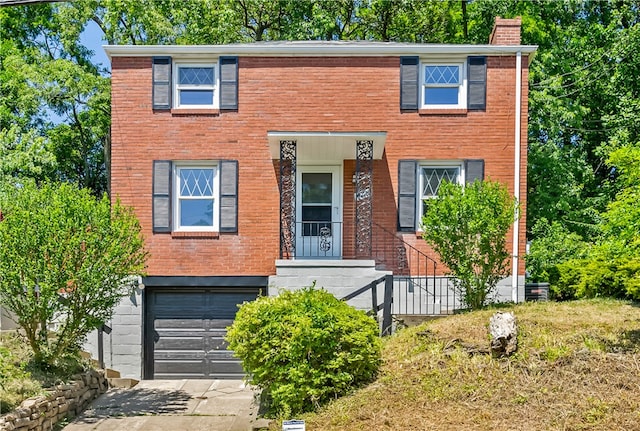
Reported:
(385, 306)
(318, 239)
(392, 253)
(431, 296)
(416, 288)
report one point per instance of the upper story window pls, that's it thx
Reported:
(444, 86)
(196, 197)
(455, 84)
(196, 86)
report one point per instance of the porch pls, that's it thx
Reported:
(327, 230)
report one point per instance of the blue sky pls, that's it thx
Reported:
(91, 37)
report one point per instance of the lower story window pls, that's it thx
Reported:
(196, 194)
(431, 178)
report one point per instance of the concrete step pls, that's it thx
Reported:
(117, 382)
(111, 374)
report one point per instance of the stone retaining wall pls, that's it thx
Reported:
(41, 413)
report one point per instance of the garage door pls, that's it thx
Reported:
(185, 330)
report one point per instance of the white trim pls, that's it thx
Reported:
(204, 164)
(516, 178)
(314, 49)
(328, 148)
(337, 172)
(462, 85)
(177, 87)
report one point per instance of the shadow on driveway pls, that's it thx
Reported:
(212, 405)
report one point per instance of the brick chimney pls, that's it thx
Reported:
(506, 31)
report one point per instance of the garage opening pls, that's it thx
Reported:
(185, 329)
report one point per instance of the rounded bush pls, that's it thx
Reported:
(304, 347)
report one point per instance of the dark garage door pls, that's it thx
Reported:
(185, 329)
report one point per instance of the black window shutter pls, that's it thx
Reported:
(409, 77)
(407, 195)
(473, 170)
(161, 211)
(161, 94)
(229, 196)
(229, 83)
(477, 79)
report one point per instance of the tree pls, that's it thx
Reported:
(467, 227)
(621, 221)
(24, 156)
(51, 90)
(65, 261)
(611, 264)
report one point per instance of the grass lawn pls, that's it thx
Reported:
(577, 368)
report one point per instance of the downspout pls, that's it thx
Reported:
(516, 179)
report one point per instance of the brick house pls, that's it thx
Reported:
(254, 167)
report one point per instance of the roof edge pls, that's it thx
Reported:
(316, 49)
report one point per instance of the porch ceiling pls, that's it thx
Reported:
(326, 146)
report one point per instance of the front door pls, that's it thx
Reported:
(318, 212)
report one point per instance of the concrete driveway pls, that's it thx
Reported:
(170, 405)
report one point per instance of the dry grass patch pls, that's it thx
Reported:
(16, 384)
(577, 368)
(20, 378)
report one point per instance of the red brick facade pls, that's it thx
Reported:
(302, 93)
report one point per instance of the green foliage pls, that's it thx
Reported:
(583, 102)
(53, 93)
(553, 244)
(621, 221)
(467, 227)
(612, 266)
(304, 348)
(65, 258)
(598, 277)
(24, 155)
(8, 368)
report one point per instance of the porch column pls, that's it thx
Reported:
(287, 199)
(364, 197)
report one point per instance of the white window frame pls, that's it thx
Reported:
(462, 86)
(215, 88)
(177, 167)
(434, 165)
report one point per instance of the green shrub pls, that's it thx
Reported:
(467, 227)
(598, 277)
(304, 347)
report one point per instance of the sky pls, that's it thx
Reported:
(91, 37)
